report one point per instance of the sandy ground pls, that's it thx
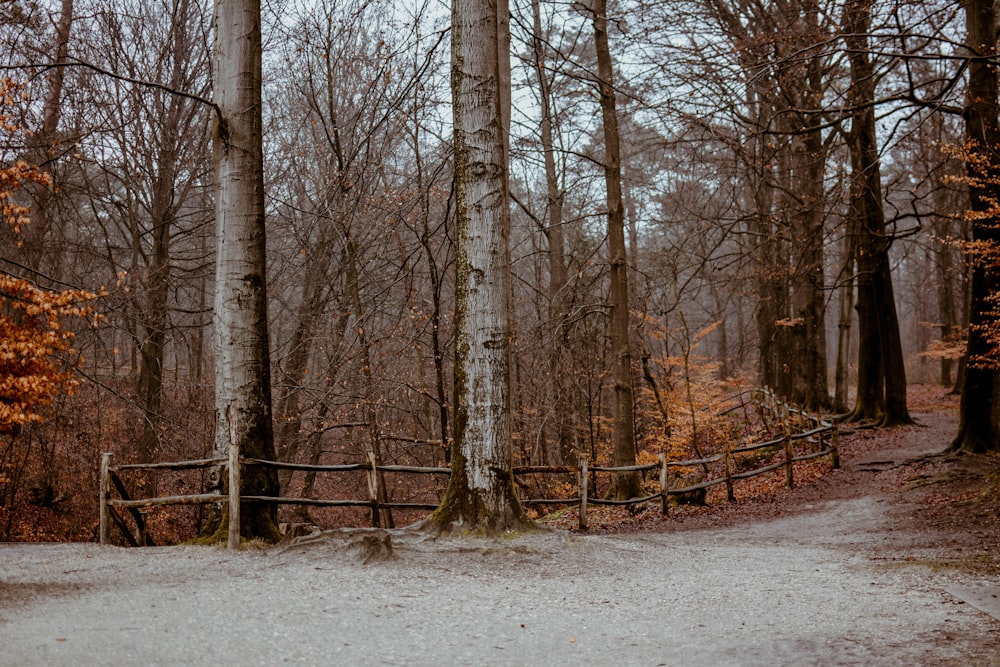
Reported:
(844, 579)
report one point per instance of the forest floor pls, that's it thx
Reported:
(892, 560)
(945, 506)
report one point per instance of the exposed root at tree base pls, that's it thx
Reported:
(367, 545)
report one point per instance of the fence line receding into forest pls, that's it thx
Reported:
(797, 426)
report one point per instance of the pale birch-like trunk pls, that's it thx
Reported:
(242, 376)
(481, 494)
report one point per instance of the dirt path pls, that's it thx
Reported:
(844, 571)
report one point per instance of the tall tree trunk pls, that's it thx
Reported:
(808, 163)
(846, 302)
(37, 236)
(175, 114)
(437, 321)
(434, 272)
(370, 406)
(242, 377)
(945, 278)
(311, 308)
(153, 318)
(979, 411)
(771, 287)
(42, 252)
(559, 385)
(623, 484)
(481, 495)
(768, 251)
(876, 302)
(893, 364)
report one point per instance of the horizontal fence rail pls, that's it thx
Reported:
(820, 434)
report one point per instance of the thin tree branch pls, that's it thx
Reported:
(138, 82)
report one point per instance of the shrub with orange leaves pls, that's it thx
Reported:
(34, 348)
(981, 253)
(19, 173)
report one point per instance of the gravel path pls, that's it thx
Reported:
(831, 584)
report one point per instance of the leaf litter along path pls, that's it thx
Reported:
(851, 569)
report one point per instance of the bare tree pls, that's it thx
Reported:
(979, 413)
(624, 484)
(47, 148)
(882, 374)
(559, 383)
(242, 376)
(481, 495)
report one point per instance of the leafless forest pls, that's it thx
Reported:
(727, 194)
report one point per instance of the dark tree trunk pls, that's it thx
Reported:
(882, 390)
(804, 85)
(979, 412)
(772, 298)
(38, 242)
(891, 348)
(623, 485)
(870, 398)
(559, 384)
(312, 306)
(846, 317)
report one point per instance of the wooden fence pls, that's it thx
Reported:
(820, 438)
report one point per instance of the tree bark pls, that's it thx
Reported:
(177, 118)
(945, 274)
(979, 410)
(803, 84)
(559, 389)
(626, 484)
(242, 377)
(882, 391)
(312, 306)
(37, 236)
(481, 495)
(846, 303)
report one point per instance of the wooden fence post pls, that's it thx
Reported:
(789, 463)
(105, 483)
(728, 463)
(663, 483)
(583, 493)
(373, 488)
(835, 448)
(761, 405)
(234, 495)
